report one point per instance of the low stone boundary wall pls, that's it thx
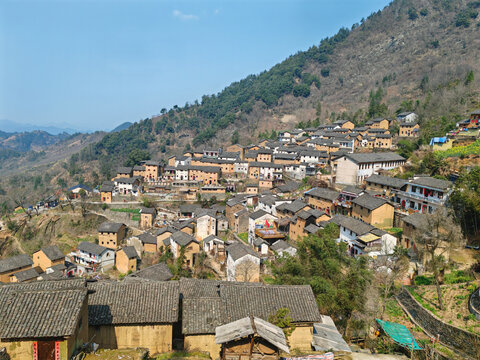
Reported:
(474, 303)
(453, 337)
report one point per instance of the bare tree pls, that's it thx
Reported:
(434, 240)
(247, 271)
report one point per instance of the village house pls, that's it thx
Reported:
(152, 170)
(260, 220)
(474, 119)
(215, 247)
(285, 159)
(205, 174)
(149, 242)
(384, 184)
(125, 172)
(353, 169)
(12, 265)
(314, 157)
(281, 248)
(236, 148)
(106, 194)
(296, 171)
(408, 129)
(344, 124)
(191, 246)
(362, 238)
(206, 223)
(322, 199)
(243, 264)
(407, 116)
(233, 206)
(300, 222)
(162, 235)
(378, 123)
(28, 275)
(343, 205)
(269, 203)
(92, 258)
(373, 210)
(240, 168)
(47, 257)
(288, 209)
(78, 189)
(117, 320)
(46, 320)
(126, 259)
(240, 222)
(383, 141)
(128, 186)
(237, 338)
(264, 171)
(252, 189)
(111, 234)
(147, 217)
(139, 170)
(209, 303)
(423, 194)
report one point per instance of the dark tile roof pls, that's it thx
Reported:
(312, 229)
(369, 202)
(157, 272)
(350, 189)
(130, 252)
(258, 214)
(26, 275)
(182, 238)
(124, 170)
(147, 238)
(265, 164)
(386, 180)
(220, 302)
(238, 250)
(302, 214)
(209, 169)
(289, 186)
(110, 227)
(432, 183)
(106, 188)
(163, 230)
(133, 302)
(139, 168)
(15, 262)
(293, 207)
(151, 211)
(130, 180)
(39, 313)
(189, 208)
(202, 315)
(280, 245)
(52, 253)
(323, 193)
(350, 223)
(417, 220)
(91, 248)
(374, 157)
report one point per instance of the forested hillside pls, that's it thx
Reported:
(418, 55)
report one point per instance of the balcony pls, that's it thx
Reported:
(420, 197)
(269, 234)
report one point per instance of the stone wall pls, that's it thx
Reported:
(453, 337)
(474, 303)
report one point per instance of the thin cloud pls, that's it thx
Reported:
(216, 12)
(178, 14)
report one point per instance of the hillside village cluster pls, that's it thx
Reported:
(48, 306)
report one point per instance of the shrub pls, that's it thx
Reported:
(325, 72)
(104, 206)
(301, 90)
(423, 280)
(412, 13)
(424, 12)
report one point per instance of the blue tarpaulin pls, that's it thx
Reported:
(400, 334)
(438, 140)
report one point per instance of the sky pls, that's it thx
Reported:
(94, 64)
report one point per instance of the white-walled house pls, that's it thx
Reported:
(206, 223)
(269, 203)
(128, 186)
(260, 220)
(282, 248)
(243, 264)
(353, 169)
(93, 257)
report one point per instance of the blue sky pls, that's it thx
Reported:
(92, 65)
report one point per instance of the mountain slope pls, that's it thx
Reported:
(417, 55)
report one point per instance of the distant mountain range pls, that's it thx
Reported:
(14, 127)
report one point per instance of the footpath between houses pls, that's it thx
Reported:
(461, 341)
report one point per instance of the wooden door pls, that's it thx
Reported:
(46, 350)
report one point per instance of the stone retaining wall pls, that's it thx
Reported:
(474, 303)
(453, 337)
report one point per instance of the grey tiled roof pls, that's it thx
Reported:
(280, 245)
(15, 262)
(418, 220)
(182, 238)
(133, 302)
(26, 275)
(374, 157)
(211, 302)
(323, 193)
(265, 164)
(145, 210)
(312, 229)
(130, 252)
(258, 214)
(293, 207)
(91, 248)
(432, 183)
(238, 250)
(369, 202)
(350, 223)
(147, 238)
(110, 227)
(124, 170)
(40, 313)
(386, 180)
(52, 253)
(157, 272)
